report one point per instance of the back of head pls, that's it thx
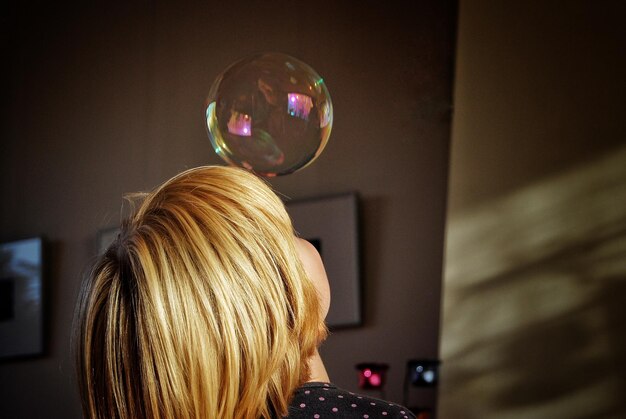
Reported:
(201, 308)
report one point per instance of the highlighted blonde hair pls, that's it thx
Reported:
(200, 309)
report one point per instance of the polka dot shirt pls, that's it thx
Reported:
(323, 400)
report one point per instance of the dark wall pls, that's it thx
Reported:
(102, 100)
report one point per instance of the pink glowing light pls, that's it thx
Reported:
(375, 380)
(299, 105)
(240, 124)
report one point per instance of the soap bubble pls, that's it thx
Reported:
(269, 113)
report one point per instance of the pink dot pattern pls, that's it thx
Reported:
(324, 400)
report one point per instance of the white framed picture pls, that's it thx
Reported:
(332, 226)
(106, 237)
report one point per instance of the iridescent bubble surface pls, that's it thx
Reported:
(269, 113)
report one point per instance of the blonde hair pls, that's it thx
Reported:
(200, 309)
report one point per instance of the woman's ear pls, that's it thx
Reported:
(314, 267)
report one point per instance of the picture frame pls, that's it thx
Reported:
(331, 224)
(105, 238)
(21, 298)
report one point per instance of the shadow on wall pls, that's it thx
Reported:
(534, 297)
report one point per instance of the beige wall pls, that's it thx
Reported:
(98, 101)
(533, 321)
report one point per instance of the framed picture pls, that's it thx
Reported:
(21, 298)
(331, 225)
(106, 237)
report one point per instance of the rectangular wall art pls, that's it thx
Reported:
(21, 298)
(331, 225)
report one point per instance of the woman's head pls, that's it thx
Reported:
(201, 308)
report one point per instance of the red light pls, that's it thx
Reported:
(375, 380)
(372, 375)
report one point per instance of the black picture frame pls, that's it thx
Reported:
(21, 298)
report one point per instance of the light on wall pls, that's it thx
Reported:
(372, 375)
(423, 372)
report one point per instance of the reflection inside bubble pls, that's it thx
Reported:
(269, 113)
